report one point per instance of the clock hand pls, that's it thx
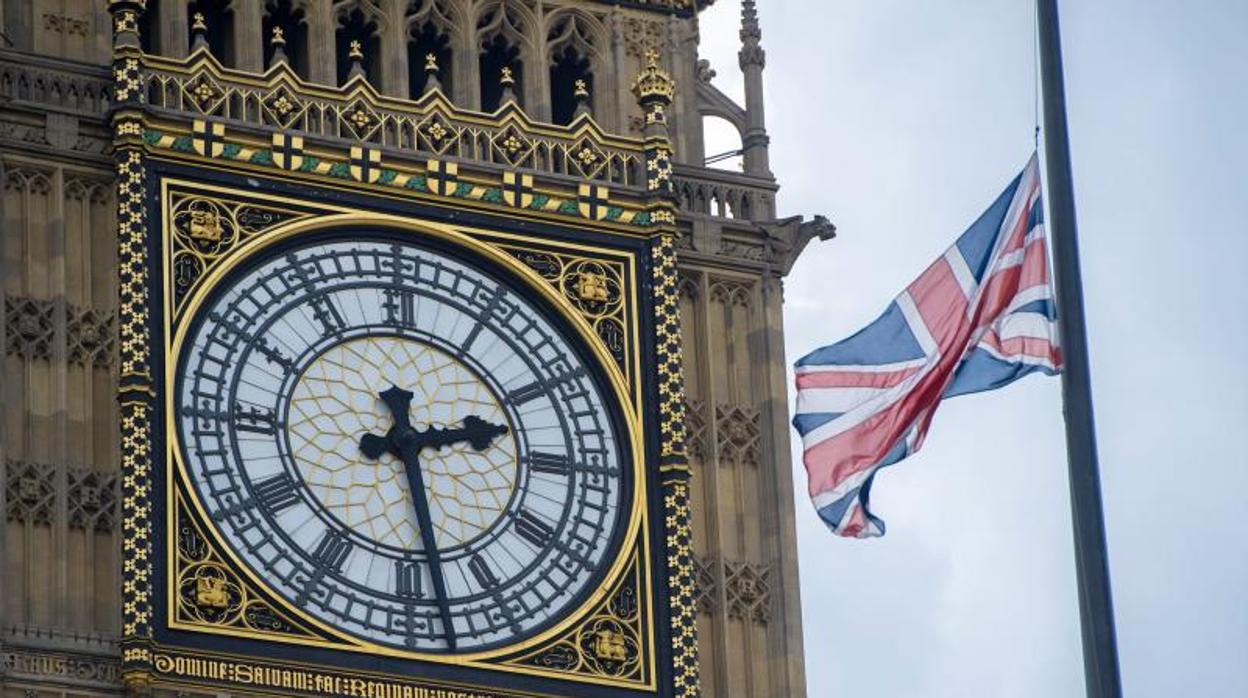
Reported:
(407, 443)
(410, 450)
(400, 403)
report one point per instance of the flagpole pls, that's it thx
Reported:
(1096, 611)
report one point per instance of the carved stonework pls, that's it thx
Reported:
(687, 286)
(739, 434)
(30, 332)
(66, 24)
(642, 35)
(28, 327)
(30, 492)
(706, 585)
(748, 588)
(695, 428)
(92, 336)
(92, 500)
(82, 669)
(731, 292)
(48, 87)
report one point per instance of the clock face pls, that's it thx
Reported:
(400, 444)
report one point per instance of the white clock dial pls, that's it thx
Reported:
(326, 383)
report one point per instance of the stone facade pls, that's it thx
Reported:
(59, 451)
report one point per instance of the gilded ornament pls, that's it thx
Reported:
(206, 225)
(593, 287)
(609, 645)
(210, 592)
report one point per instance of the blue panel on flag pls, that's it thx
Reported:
(885, 341)
(1045, 308)
(812, 420)
(981, 371)
(976, 243)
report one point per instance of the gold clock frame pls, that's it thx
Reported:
(634, 549)
(145, 139)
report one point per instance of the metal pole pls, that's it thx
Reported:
(1096, 611)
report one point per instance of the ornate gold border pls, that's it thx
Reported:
(636, 538)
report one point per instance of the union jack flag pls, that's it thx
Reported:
(980, 317)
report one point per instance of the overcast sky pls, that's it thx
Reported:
(901, 120)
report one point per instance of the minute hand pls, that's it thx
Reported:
(409, 452)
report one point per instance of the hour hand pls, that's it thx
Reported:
(400, 402)
(373, 446)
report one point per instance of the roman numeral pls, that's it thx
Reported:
(326, 313)
(536, 389)
(407, 579)
(276, 493)
(400, 307)
(532, 391)
(481, 570)
(323, 308)
(332, 552)
(548, 463)
(259, 344)
(533, 529)
(254, 419)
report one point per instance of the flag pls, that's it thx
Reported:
(980, 317)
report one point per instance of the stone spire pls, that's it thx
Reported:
(752, 59)
(355, 52)
(278, 42)
(431, 73)
(581, 95)
(199, 29)
(508, 81)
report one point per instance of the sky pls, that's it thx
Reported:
(901, 120)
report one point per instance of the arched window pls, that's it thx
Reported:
(149, 29)
(567, 70)
(504, 35)
(423, 40)
(572, 43)
(284, 15)
(497, 54)
(220, 22)
(355, 26)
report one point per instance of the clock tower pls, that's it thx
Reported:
(390, 348)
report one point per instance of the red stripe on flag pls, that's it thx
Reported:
(1035, 265)
(830, 461)
(1034, 347)
(853, 379)
(941, 302)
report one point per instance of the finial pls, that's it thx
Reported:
(653, 82)
(355, 51)
(581, 94)
(431, 73)
(508, 81)
(198, 28)
(751, 53)
(278, 42)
